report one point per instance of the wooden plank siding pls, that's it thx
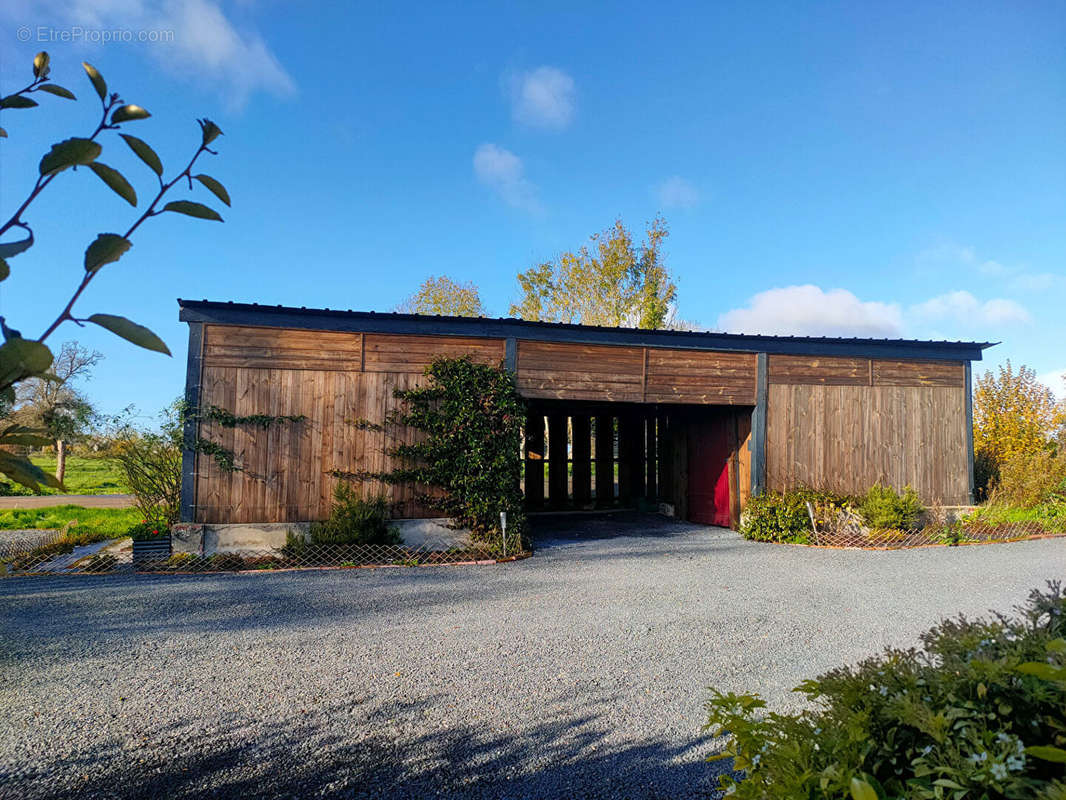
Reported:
(847, 438)
(332, 379)
(549, 370)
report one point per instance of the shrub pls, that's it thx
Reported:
(353, 520)
(977, 712)
(145, 531)
(472, 417)
(885, 508)
(783, 517)
(1028, 479)
(151, 465)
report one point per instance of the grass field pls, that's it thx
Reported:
(84, 475)
(106, 522)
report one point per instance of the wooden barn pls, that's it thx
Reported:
(617, 416)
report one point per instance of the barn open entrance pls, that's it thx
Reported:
(587, 455)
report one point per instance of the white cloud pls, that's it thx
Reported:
(1056, 381)
(961, 307)
(193, 39)
(811, 311)
(676, 192)
(947, 253)
(1036, 281)
(543, 98)
(503, 172)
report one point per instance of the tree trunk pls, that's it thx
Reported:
(61, 459)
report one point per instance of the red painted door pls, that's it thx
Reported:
(708, 472)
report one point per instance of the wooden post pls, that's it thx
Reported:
(558, 455)
(581, 458)
(666, 471)
(630, 458)
(733, 433)
(535, 460)
(191, 426)
(758, 427)
(650, 461)
(969, 430)
(604, 460)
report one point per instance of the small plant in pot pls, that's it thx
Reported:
(151, 541)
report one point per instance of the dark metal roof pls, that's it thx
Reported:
(434, 325)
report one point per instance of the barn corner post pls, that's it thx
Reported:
(758, 426)
(190, 422)
(969, 429)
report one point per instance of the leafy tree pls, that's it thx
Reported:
(442, 295)
(53, 403)
(610, 281)
(1013, 413)
(24, 358)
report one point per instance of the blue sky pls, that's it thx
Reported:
(847, 169)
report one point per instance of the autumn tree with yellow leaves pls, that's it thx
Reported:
(610, 281)
(442, 295)
(1014, 415)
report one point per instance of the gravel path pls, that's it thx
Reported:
(578, 673)
(83, 500)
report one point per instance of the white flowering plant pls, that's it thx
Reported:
(977, 713)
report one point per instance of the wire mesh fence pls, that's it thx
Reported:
(957, 532)
(122, 556)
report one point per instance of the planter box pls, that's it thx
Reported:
(151, 550)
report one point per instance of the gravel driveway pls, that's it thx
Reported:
(578, 673)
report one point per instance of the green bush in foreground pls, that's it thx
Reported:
(783, 517)
(883, 507)
(353, 520)
(978, 712)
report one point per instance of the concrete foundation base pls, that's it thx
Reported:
(207, 539)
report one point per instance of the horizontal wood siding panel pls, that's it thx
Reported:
(412, 354)
(580, 372)
(280, 348)
(918, 373)
(828, 371)
(685, 376)
(848, 438)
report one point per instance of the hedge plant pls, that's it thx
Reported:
(979, 711)
(783, 516)
(472, 417)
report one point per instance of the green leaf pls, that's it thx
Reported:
(210, 130)
(17, 101)
(192, 209)
(98, 80)
(861, 790)
(1047, 753)
(69, 153)
(12, 249)
(217, 189)
(22, 470)
(113, 178)
(5, 270)
(126, 113)
(41, 66)
(1056, 646)
(21, 358)
(58, 91)
(105, 249)
(144, 152)
(131, 332)
(1043, 671)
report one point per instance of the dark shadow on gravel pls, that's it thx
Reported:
(593, 525)
(296, 759)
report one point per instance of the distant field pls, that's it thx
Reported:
(85, 475)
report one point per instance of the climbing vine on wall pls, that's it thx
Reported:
(222, 456)
(471, 416)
